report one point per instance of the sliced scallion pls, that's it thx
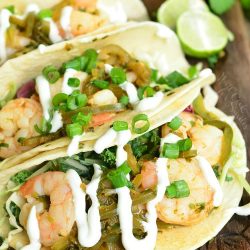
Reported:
(140, 118)
(175, 123)
(45, 13)
(185, 144)
(118, 75)
(101, 84)
(51, 74)
(178, 189)
(171, 150)
(124, 100)
(120, 126)
(74, 82)
(73, 130)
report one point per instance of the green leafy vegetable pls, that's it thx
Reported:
(118, 75)
(44, 128)
(174, 80)
(21, 177)
(109, 157)
(212, 60)
(15, 210)
(221, 6)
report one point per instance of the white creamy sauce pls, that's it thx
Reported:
(243, 211)
(150, 103)
(56, 122)
(33, 231)
(43, 90)
(4, 25)
(170, 138)
(54, 34)
(88, 224)
(108, 68)
(42, 48)
(112, 10)
(65, 21)
(126, 216)
(213, 182)
(69, 73)
(32, 8)
(105, 141)
(131, 91)
(74, 145)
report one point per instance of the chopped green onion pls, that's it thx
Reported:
(146, 91)
(76, 101)
(45, 13)
(81, 118)
(154, 75)
(171, 150)
(74, 82)
(11, 8)
(185, 144)
(59, 99)
(178, 189)
(75, 64)
(51, 74)
(174, 80)
(91, 56)
(101, 84)
(175, 123)
(120, 126)
(118, 177)
(118, 75)
(124, 100)
(193, 72)
(73, 130)
(140, 118)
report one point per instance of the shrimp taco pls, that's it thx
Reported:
(27, 25)
(142, 185)
(73, 92)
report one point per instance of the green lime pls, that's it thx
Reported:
(201, 33)
(170, 11)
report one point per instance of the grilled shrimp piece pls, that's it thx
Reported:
(208, 142)
(58, 220)
(191, 209)
(17, 119)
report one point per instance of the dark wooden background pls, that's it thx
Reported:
(233, 87)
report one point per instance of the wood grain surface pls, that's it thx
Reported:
(233, 87)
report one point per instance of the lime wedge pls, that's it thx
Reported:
(170, 11)
(201, 33)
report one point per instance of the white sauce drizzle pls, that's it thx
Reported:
(43, 90)
(42, 48)
(126, 216)
(131, 91)
(56, 122)
(65, 21)
(32, 8)
(74, 145)
(112, 10)
(54, 34)
(4, 25)
(33, 231)
(150, 103)
(88, 224)
(69, 73)
(211, 179)
(170, 138)
(108, 68)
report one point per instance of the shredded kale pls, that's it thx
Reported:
(109, 157)
(146, 144)
(21, 177)
(15, 210)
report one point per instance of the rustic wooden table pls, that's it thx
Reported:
(233, 87)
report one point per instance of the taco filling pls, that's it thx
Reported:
(166, 177)
(84, 93)
(24, 31)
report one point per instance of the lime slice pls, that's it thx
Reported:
(170, 11)
(201, 33)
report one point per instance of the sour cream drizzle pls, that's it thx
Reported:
(74, 145)
(88, 224)
(213, 182)
(44, 95)
(33, 231)
(131, 91)
(65, 21)
(4, 25)
(54, 34)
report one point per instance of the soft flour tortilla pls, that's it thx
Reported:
(178, 237)
(162, 47)
(134, 9)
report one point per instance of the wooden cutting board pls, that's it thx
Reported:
(233, 87)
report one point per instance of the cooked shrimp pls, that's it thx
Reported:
(188, 120)
(191, 209)
(208, 141)
(17, 119)
(103, 97)
(100, 119)
(87, 5)
(59, 219)
(148, 174)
